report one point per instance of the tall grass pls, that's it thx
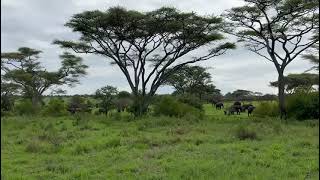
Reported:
(267, 109)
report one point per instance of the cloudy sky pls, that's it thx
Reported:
(36, 23)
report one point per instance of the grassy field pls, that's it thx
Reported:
(96, 147)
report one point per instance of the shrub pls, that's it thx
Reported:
(245, 133)
(78, 102)
(55, 107)
(7, 113)
(270, 109)
(191, 100)
(169, 106)
(122, 103)
(24, 107)
(166, 106)
(7, 103)
(303, 105)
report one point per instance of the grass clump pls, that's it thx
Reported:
(56, 167)
(114, 142)
(34, 146)
(244, 133)
(81, 120)
(82, 148)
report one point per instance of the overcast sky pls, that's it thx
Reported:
(36, 23)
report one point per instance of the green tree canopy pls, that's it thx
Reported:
(107, 95)
(297, 81)
(241, 95)
(144, 45)
(193, 80)
(277, 30)
(23, 69)
(313, 54)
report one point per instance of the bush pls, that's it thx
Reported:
(78, 102)
(122, 103)
(191, 100)
(303, 105)
(169, 106)
(55, 107)
(245, 133)
(270, 109)
(24, 107)
(7, 113)
(7, 103)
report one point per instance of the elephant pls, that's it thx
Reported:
(219, 105)
(250, 110)
(237, 103)
(245, 107)
(73, 110)
(231, 110)
(103, 110)
(214, 102)
(237, 106)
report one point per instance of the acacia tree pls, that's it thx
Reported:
(193, 80)
(278, 30)
(298, 81)
(23, 70)
(145, 45)
(188, 79)
(240, 95)
(313, 54)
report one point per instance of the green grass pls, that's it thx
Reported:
(96, 147)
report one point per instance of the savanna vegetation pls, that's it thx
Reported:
(196, 132)
(87, 146)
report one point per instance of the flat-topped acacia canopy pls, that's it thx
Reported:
(145, 45)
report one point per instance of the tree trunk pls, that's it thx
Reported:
(281, 96)
(141, 104)
(36, 101)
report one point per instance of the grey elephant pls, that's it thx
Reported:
(231, 110)
(238, 107)
(250, 110)
(219, 105)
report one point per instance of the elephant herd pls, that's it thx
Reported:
(237, 108)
